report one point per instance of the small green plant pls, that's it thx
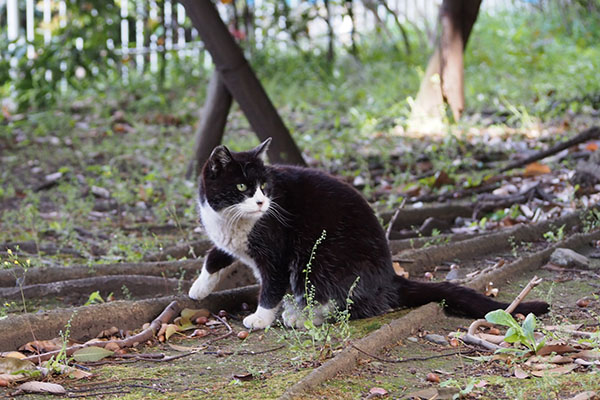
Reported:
(13, 263)
(315, 342)
(463, 391)
(94, 298)
(514, 247)
(590, 220)
(57, 364)
(555, 236)
(516, 333)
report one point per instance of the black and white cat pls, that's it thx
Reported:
(269, 217)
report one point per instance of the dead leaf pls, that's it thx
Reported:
(42, 346)
(429, 393)
(490, 290)
(42, 387)
(593, 146)
(536, 169)
(584, 396)
(92, 354)
(171, 330)
(555, 348)
(442, 178)
(191, 314)
(177, 347)
(243, 377)
(565, 369)
(14, 354)
(399, 270)
(589, 355)
(520, 373)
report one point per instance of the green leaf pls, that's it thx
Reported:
(91, 354)
(529, 325)
(501, 317)
(512, 335)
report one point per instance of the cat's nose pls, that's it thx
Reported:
(259, 203)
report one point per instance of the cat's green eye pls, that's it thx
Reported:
(263, 185)
(242, 187)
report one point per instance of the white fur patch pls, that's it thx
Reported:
(229, 228)
(205, 283)
(261, 318)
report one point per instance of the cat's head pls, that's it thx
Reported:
(237, 183)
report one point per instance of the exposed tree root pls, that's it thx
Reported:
(494, 242)
(137, 285)
(88, 321)
(389, 334)
(588, 134)
(192, 249)
(8, 277)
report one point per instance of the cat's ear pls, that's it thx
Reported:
(219, 158)
(261, 150)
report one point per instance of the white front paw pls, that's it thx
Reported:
(262, 318)
(199, 289)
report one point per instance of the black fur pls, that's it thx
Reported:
(307, 202)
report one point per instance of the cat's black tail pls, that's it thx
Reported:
(457, 300)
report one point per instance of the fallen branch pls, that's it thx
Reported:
(588, 134)
(408, 359)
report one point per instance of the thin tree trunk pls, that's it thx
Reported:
(443, 82)
(242, 83)
(213, 119)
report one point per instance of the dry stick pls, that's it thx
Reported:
(470, 337)
(403, 360)
(588, 134)
(229, 331)
(388, 231)
(165, 317)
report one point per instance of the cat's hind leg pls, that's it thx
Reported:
(294, 314)
(214, 265)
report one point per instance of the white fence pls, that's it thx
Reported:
(24, 19)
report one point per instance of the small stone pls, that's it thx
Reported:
(412, 339)
(428, 276)
(100, 192)
(569, 259)
(437, 339)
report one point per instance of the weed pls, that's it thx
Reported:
(516, 333)
(590, 220)
(555, 236)
(94, 298)
(56, 364)
(315, 342)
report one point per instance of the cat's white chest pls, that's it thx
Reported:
(226, 233)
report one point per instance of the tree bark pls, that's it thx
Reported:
(242, 83)
(213, 119)
(443, 82)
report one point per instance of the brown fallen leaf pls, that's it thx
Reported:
(377, 392)
(555, 348)
(536, 169)
(520, 373)
(565, 369)
(14, 354)
(589, 355)
(399, 270)
(429, 393)
(42, 346)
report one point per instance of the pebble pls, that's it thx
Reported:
(412, 339)
(437, 339)
(569, 259)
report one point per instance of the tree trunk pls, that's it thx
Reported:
(443, 82)
(213, 119)
(242, 83)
